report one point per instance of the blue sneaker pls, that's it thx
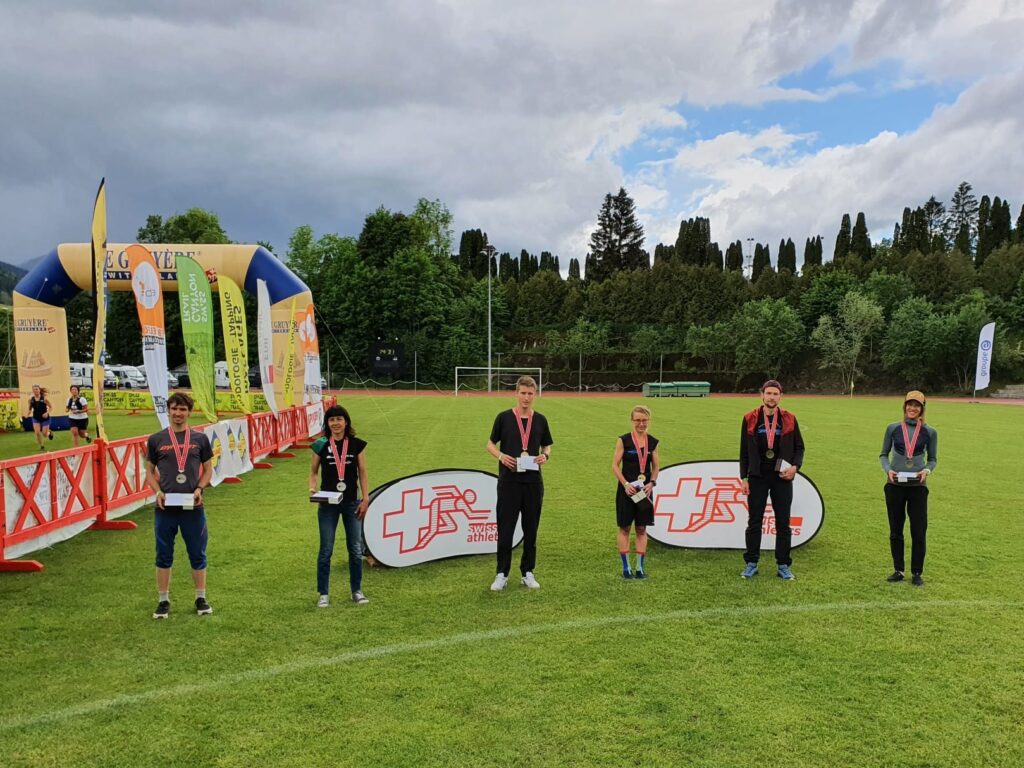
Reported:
(750, 571)
(785, 574)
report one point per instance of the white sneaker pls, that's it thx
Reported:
(499, 582)
(529, 581)
(359, 598)
(323, 602)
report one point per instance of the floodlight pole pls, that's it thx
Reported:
(488, 251)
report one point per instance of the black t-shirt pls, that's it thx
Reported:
(329, 471)
(38, 408)
(160, 453)
(631, 458)
(505, 434)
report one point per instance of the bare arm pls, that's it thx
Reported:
(364, 483)
(508, 461)
(314, 468)
(617, 463)
(204, 482)
(153, 481)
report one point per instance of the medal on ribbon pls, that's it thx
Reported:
(339, 463)
(769, 433)
(524, 434)
(180, 454)
(641, 454)
(909, 443)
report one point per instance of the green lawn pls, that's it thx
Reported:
(693, 667)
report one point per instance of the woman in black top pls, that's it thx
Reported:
(78, 415)
(339, 447)
(39, 406)
(635, 465)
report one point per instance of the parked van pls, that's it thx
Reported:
(220, 375)
(128, 377)
(81, 376)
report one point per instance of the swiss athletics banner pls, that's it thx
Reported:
(434, 515)
(149, 301)
(701, 505)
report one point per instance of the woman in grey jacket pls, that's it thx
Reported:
(909, 454)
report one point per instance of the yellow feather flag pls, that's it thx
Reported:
(236, 348)
(99, 289)
(289, 363)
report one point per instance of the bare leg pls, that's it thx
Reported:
(163, 579)
(199, 578)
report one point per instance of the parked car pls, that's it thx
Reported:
(172, 380)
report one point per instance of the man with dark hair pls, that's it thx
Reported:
(521, 442)
(179, 461)
(771, 452)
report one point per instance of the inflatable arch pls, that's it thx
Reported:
(40, 324)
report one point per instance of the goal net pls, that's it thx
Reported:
(474, 378)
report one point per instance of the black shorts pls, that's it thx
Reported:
(82, 425)
(627, 512)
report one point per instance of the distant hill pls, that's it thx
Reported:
(10, 274)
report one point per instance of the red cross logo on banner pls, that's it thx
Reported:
(418, 524)
(688, 510)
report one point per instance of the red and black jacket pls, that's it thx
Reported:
(790, 445)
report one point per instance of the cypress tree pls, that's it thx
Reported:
(985, 244)
(842, 239)
(715, 256)
(574, 269)
(1020, 226)
(787, 256)
(860, 240)
(734, 256)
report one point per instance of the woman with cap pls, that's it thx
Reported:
(904, 449)
(340, 459)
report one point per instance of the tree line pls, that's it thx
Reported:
(904, 310)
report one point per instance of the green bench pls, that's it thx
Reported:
(677, 389)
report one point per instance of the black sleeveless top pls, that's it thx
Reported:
(631, 458)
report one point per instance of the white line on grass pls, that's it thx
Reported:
(380, 651)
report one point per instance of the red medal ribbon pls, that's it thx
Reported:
(909, 443)
(524, 434)
(182, 455)
(339, 463)
(641, 452)
(769, 430)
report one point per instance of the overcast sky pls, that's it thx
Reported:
(771, 118)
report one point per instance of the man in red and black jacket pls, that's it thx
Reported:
(771, 452)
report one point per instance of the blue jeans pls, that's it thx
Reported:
(192, 524)
(327, 516)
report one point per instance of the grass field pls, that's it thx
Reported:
(693, 667)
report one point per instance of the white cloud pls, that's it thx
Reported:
(519, 116)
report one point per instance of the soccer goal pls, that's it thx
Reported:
(473, 378)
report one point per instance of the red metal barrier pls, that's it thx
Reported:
(44, 494)
(286, 433)
(123, 465)
(262, 438)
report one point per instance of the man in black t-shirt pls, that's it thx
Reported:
(521, 442)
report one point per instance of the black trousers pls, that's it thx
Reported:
(902, 501)
(781, 493)
(515, 499)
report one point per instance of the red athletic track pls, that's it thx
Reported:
(638, 395)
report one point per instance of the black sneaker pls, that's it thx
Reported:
(916, 580)
(163, 610)
(50, 435)
(203, 608)
(640, 575)
(895, 576)
(627, 575)
(88, 439)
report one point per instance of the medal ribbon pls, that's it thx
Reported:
(769, 430)
(909, 443)
(182, 455)
(641, 452)
(524, 434)
(339, 463)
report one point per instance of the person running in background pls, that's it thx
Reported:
(39, 408)
(78, 415)
(635, 464)
(904, 448)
